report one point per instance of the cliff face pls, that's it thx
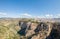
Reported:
(41, 30)
(55, 32)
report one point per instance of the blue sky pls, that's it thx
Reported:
(30, 8)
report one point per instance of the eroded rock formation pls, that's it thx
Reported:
(42, 30)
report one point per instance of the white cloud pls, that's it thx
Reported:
(26, 14)
(29, 15)
(38, 16)
(41, 16)
(3, 14)
(49, 15)
(58, 15)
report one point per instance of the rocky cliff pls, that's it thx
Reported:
(29, 29)
(41, 30)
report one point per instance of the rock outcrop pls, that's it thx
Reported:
(55, 32)
(31, 30)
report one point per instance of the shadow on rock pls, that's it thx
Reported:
(54, 34)
(22, 32)
(23, 26)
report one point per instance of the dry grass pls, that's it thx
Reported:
(8, 29)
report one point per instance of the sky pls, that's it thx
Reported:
(30, 8)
